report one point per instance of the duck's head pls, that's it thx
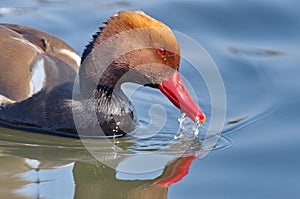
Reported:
(133, 47)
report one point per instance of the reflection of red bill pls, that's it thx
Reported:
(175, 172)
(177, 93)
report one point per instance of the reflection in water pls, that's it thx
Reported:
(26, 170)
(100, 180)
(11, 168)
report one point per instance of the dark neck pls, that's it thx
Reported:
(100, 91)
(110, 105)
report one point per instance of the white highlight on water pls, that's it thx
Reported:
(32, 164)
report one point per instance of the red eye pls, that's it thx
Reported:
(161, 51)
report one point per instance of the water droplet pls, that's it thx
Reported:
(115, 155)
(187, 127)
(197, 119)
(114, 148)
(196, 129)
(178, 135)
(181, 120)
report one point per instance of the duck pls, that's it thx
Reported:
(46, 87)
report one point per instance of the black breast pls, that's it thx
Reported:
(58, 112)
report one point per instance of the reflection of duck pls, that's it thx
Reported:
(91, 178)
(11, 168)
(132, 47)
(94, 180)
(99, 181)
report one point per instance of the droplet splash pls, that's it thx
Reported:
(186, 126)
(196, 129)
(181, 120)
(114, 148)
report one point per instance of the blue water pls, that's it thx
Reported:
(254, 44)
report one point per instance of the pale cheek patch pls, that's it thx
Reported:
(72, 55)
(38, 76)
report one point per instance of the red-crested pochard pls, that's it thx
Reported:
(38, 74)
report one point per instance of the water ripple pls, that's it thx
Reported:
(257, 52)
(18, 11)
